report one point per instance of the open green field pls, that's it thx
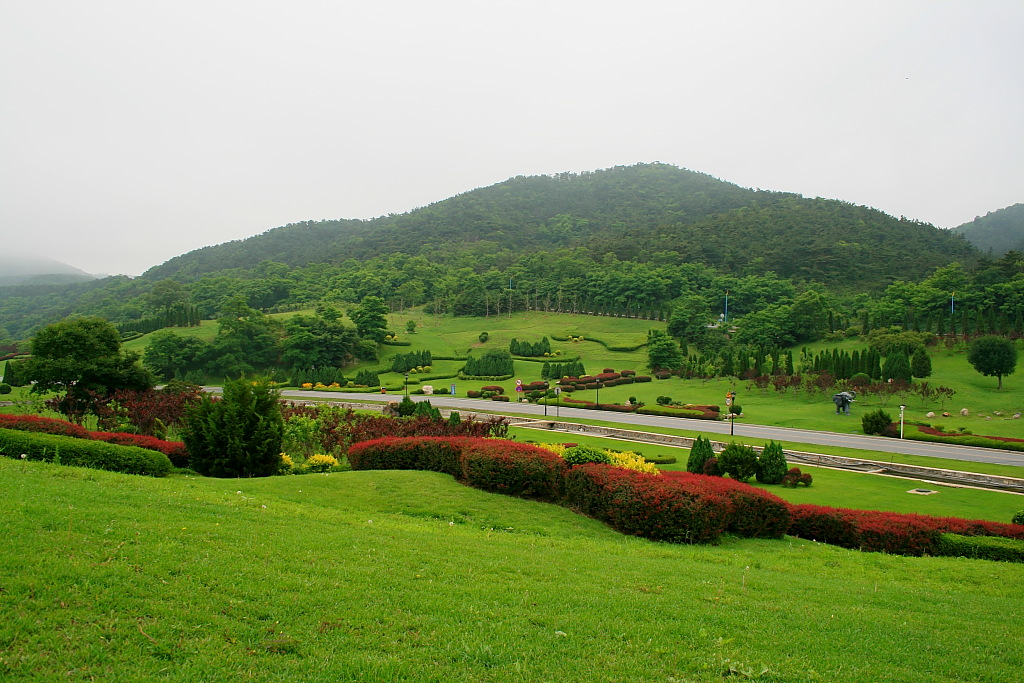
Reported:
(409, 576)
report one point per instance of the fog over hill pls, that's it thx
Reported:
(20, 268)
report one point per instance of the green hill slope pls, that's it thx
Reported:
(408, 576)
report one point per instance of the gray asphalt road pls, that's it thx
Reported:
(781, 434)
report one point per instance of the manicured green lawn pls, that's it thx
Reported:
(409, 576)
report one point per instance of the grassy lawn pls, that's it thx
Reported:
(409, 576)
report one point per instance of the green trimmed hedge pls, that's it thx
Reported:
(980, 547)
(66, 450)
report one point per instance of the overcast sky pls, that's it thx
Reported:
(132, 131)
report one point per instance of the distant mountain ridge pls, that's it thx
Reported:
(31, 269)
(997, 231)
(633, 213)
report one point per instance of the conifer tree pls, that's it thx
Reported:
(921, 364)
(699, 454)
(771, 466)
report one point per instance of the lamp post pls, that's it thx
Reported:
(599, 395)
(407, 385)
(729, 399)
(558, 412)
(902, 408)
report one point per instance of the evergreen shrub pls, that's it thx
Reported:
(579, 455)
(5, 388)
(876, 422)
(738, 461)
(980, 547)
(699, 454)
(771, 466)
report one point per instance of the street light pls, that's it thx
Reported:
(902, 408)
(730, 398)
(599, 395)
(407, 385)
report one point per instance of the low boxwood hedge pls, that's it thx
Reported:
(76, 452)
(980, 547)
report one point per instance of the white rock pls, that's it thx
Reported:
(964, 412)
(929, 414)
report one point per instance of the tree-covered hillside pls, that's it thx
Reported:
(622, 241)
(636, 213)
(997, 231)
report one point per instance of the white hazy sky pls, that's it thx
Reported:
(132, 131)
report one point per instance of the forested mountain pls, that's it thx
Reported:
(997, 232)
(635, 213)
(628, 240)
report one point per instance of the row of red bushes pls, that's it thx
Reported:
(889, 532)
(674, 506)
(174, 450)
(680, 507)
(694, 412)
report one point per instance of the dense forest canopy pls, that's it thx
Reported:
(623, 241)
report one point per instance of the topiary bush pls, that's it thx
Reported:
(711, 468)
(738, 461)
(1018, 518)
(5, 388)
(876, 422)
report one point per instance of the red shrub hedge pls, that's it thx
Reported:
(753, 512)
(490, 464)
(431, 453)
(512, 468)
(890, 532)
(45, 425)
(646, 505)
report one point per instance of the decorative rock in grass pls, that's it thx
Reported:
(929, 414)
(963, 412)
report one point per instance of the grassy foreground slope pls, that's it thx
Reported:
(409, 576)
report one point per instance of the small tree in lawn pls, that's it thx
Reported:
(921, 364)
(699, 454)
(771, 466)
(238, 435)
(993, 355)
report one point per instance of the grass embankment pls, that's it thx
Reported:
(392, 576)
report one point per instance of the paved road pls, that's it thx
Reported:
(781, 434)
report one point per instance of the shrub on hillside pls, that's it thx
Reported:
(794, 477)
(876, 422)
(79, 452)
(711, 468)
(174, 450)
(5, 388)
(1019, 517)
